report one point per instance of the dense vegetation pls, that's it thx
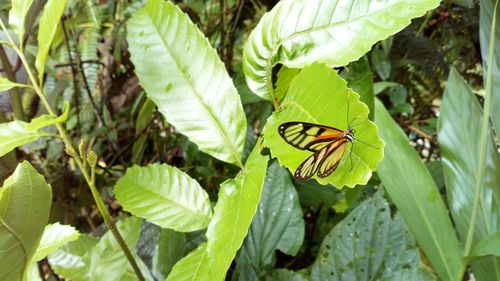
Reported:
(249, 140)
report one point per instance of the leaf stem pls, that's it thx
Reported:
(79, 162)
(484, 136)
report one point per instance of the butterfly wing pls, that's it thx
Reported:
(331, 161)
(308, 136)
(325, 161)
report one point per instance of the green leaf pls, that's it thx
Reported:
(193, 267)
(282, 274)
(89, 259)
(107, 261)
(6, 84)
(464, 3)
(55, 236)
(46, 120)
(72, 260)
(49, 22)
(24, 212)
(185, 78)
(359, 77)
(459, 141)
(381, 63)
(285, 77)
(488, 246)
(411, 188)
(410, 275)
(297, 33)
(165, 196)
(33, 273)
(278, 223)
(318, 95)
(17, 17)
(366, 245)
(143, 119)
(238, 200)
(313, 194)
(487, 19)
(170, 249)
(14, 134)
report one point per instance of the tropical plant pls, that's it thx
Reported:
(193, 124)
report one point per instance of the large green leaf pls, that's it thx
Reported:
(183, 75)
(236, 206)
(54, 237)
(318, 95)
(17, 16)
(14, 134)
(24, 211)
(489, 18)
(164, 195)
(296, 33)
(278, 223)
(48, 27)
(459, 141)
(413, 191)
(366, 245)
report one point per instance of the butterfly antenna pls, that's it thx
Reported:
(350, 156)
(367, 144)
(347, 116)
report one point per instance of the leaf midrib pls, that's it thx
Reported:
(172, 201)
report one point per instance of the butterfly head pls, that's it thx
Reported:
(349, 134)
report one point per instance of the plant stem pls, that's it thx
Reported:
(80, 163)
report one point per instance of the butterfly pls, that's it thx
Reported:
(328, 144)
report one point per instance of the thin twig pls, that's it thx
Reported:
(420, 133)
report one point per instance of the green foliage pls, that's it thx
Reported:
(238, 200)
(459, 140)
(218, 211)
(329, 107)
(367, 245)
(277, 225)
(414, 192)
(486, 247)
(54, 236)
(48, 27)
(165, 196)
(190, 90)
(90, 259)
(17, 16)
(296, 33)
(5, 84)
(25, 201)
(489, 35)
